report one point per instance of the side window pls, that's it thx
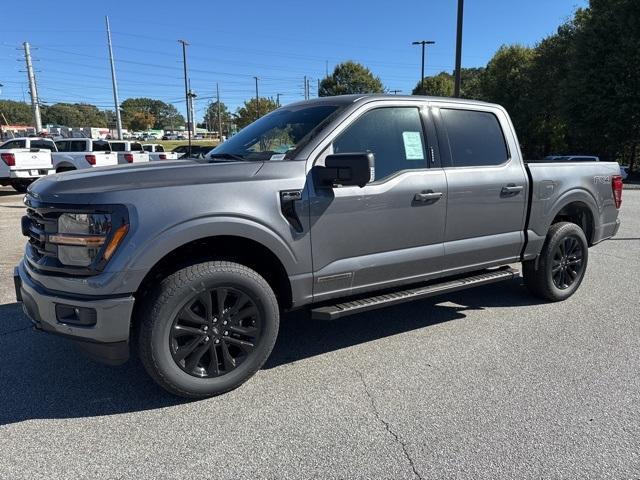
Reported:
(42, 144)
(393, 134)
(136, 147)
(159, 148)
(475, 138)
(101, 147)
(14, 144)
(118, 146)
(148, 148)
(63, 146)
(77, 146)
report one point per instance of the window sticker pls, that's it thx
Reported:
(413, 146)
(277, 157)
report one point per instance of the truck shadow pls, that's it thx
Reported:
(44, 376)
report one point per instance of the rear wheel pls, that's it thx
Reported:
(562, 263)
(208, 328)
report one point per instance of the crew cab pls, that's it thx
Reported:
(129, 152)
(81, 153)
(25, 160)
(157, 152)
(338, 204)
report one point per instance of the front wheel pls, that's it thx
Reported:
(562, 263)
(208, 328)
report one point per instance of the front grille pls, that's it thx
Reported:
(38, 226)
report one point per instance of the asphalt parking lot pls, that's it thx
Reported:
(487, 383)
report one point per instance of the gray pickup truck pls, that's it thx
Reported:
(339, 204)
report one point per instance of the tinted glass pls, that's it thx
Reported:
(48, 144)
(136, 147)
(14, 144)
(148, 148)
(118, 147)
(278, 133)
(475, 138)
(394, 135)
(77, 146)
(159, 148)
(101, 147)
(63, 146)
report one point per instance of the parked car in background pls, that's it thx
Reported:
(24, 160)
(157, 152)
(197, 151)
(78, 153)
(129, 152)
(582, 158)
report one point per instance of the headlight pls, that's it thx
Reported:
(83, 237)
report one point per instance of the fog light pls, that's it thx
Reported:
(82, 316)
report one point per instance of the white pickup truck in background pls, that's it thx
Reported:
(157, 152)
(24, 160)
(78, 153)
(129, 152)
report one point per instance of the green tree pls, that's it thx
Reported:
(247, 113)
(211, 117)
(440, 85)
(350, 77)
(507, 81)
(16, 113)
(141, 121)
(470, 83)
(74, 115)
(164, 115)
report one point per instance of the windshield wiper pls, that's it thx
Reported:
(229, 156)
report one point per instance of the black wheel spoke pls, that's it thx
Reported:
(567, 262)
(192, 361)
(205, 298)
(240, 343)
(221, 295)
(183, 330)
(182, 352)
(189, 315)
(244, 331)
(229, 362)
(213, 360)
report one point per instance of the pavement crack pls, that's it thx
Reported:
(387, 426)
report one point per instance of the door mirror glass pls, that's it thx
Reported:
(346, 169)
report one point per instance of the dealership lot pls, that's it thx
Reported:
(487, 383)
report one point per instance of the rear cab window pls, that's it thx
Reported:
(101, 146)
(475, 138)
(118, 146)
(43, 144)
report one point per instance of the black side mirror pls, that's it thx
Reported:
(346, 169)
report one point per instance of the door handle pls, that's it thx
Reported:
(427, 196)
(511, 189)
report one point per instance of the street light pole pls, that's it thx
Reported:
(186, 90)
(423, 43)
(257, 100)
(458, 80)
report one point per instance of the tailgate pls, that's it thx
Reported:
(104, 159)
(26, 159)
(140, 157)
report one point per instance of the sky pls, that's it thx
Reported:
(280, 41)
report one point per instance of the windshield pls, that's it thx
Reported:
(277, 134)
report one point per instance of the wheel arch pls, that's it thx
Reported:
(576, 206)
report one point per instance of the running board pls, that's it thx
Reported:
(332, 312)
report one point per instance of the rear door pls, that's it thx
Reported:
(383, 234)
(487, 186)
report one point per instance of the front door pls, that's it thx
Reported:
(388, 232)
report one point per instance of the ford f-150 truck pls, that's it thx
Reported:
(129, 152)
(339, 204)
(80, 153)
(157, 152)
(25, 160)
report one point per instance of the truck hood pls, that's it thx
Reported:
(72, 187)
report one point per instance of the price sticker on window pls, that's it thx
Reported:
(413, 146)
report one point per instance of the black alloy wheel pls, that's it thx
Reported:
(567, 262)
(215, 331)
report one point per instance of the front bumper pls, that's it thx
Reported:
(106, 341)
(30, 173)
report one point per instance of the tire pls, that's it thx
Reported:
(562, 263)
(21, 186)
(175, 321)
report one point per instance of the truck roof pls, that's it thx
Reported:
(352, 98)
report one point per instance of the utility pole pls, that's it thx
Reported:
(186, 91)
(458, 80)
(113, 81)
(33, 89)
(304, 85)
(257, 100)
(318, 81)
(326, 68)
(423, 43)
(278, 99)
(219, 115)
(192, 109)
